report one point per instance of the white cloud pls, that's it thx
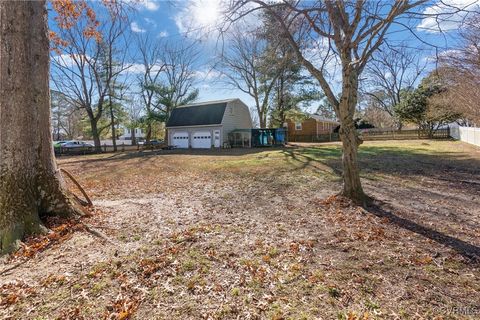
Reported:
(136, 28)
(446, 15)
(150, 21)
(199, 16)
(136, 68)
(163, 34)
(206, 75)
(69, 61)
(320, 54)
(149, 5)
(202, 19)
(140, 68)
(443, 54)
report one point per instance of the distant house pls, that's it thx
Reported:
(127, 133)
(207, 124)
(313, 126)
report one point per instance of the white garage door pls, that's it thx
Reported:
(180, 140)
(202, 140)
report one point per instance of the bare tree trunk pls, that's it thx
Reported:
(262, 119)
(352, 187)
(148, 136)
(133, 137)
(112, 119)
(30, 184)
(96, 137)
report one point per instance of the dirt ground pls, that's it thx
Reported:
(257, 234)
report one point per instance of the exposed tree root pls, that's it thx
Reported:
(97, 233)
(57, 234)
(89, 202)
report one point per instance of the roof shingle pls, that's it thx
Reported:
(197, 115)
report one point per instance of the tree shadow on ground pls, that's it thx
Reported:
(153, 153)
(308, 157)
(467, 250)
(391, 160)
(440, 189)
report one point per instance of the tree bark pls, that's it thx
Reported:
(165, 136)
(30, 184)
(262, 119)
(133, 137)
(148, 136)
(95, 136)
(112, 119)
(352, 187)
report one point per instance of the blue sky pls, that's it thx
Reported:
(172, 20)
(178, 20)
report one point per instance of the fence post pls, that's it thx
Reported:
(104, 147)
(123, 146)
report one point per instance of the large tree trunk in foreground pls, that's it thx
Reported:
(30, 184)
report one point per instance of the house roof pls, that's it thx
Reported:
(320, 118)
(199, 114)
(208, 102)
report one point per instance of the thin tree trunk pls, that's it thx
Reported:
(148, 136)
(96, 137)
(30, 184)
(262, 119)
(134, 138)
(112, 119)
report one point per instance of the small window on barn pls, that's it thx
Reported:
(298, 126)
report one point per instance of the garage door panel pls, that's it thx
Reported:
(180, 140)
(202, 140)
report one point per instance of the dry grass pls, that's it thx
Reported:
(255, 234)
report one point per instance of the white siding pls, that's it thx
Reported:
(236, 116)
(191, 131)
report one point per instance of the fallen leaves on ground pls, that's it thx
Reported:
(59, 231)
(253, 235)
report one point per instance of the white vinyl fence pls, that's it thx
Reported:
(466, 134)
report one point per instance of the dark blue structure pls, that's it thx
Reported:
(269, 137)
